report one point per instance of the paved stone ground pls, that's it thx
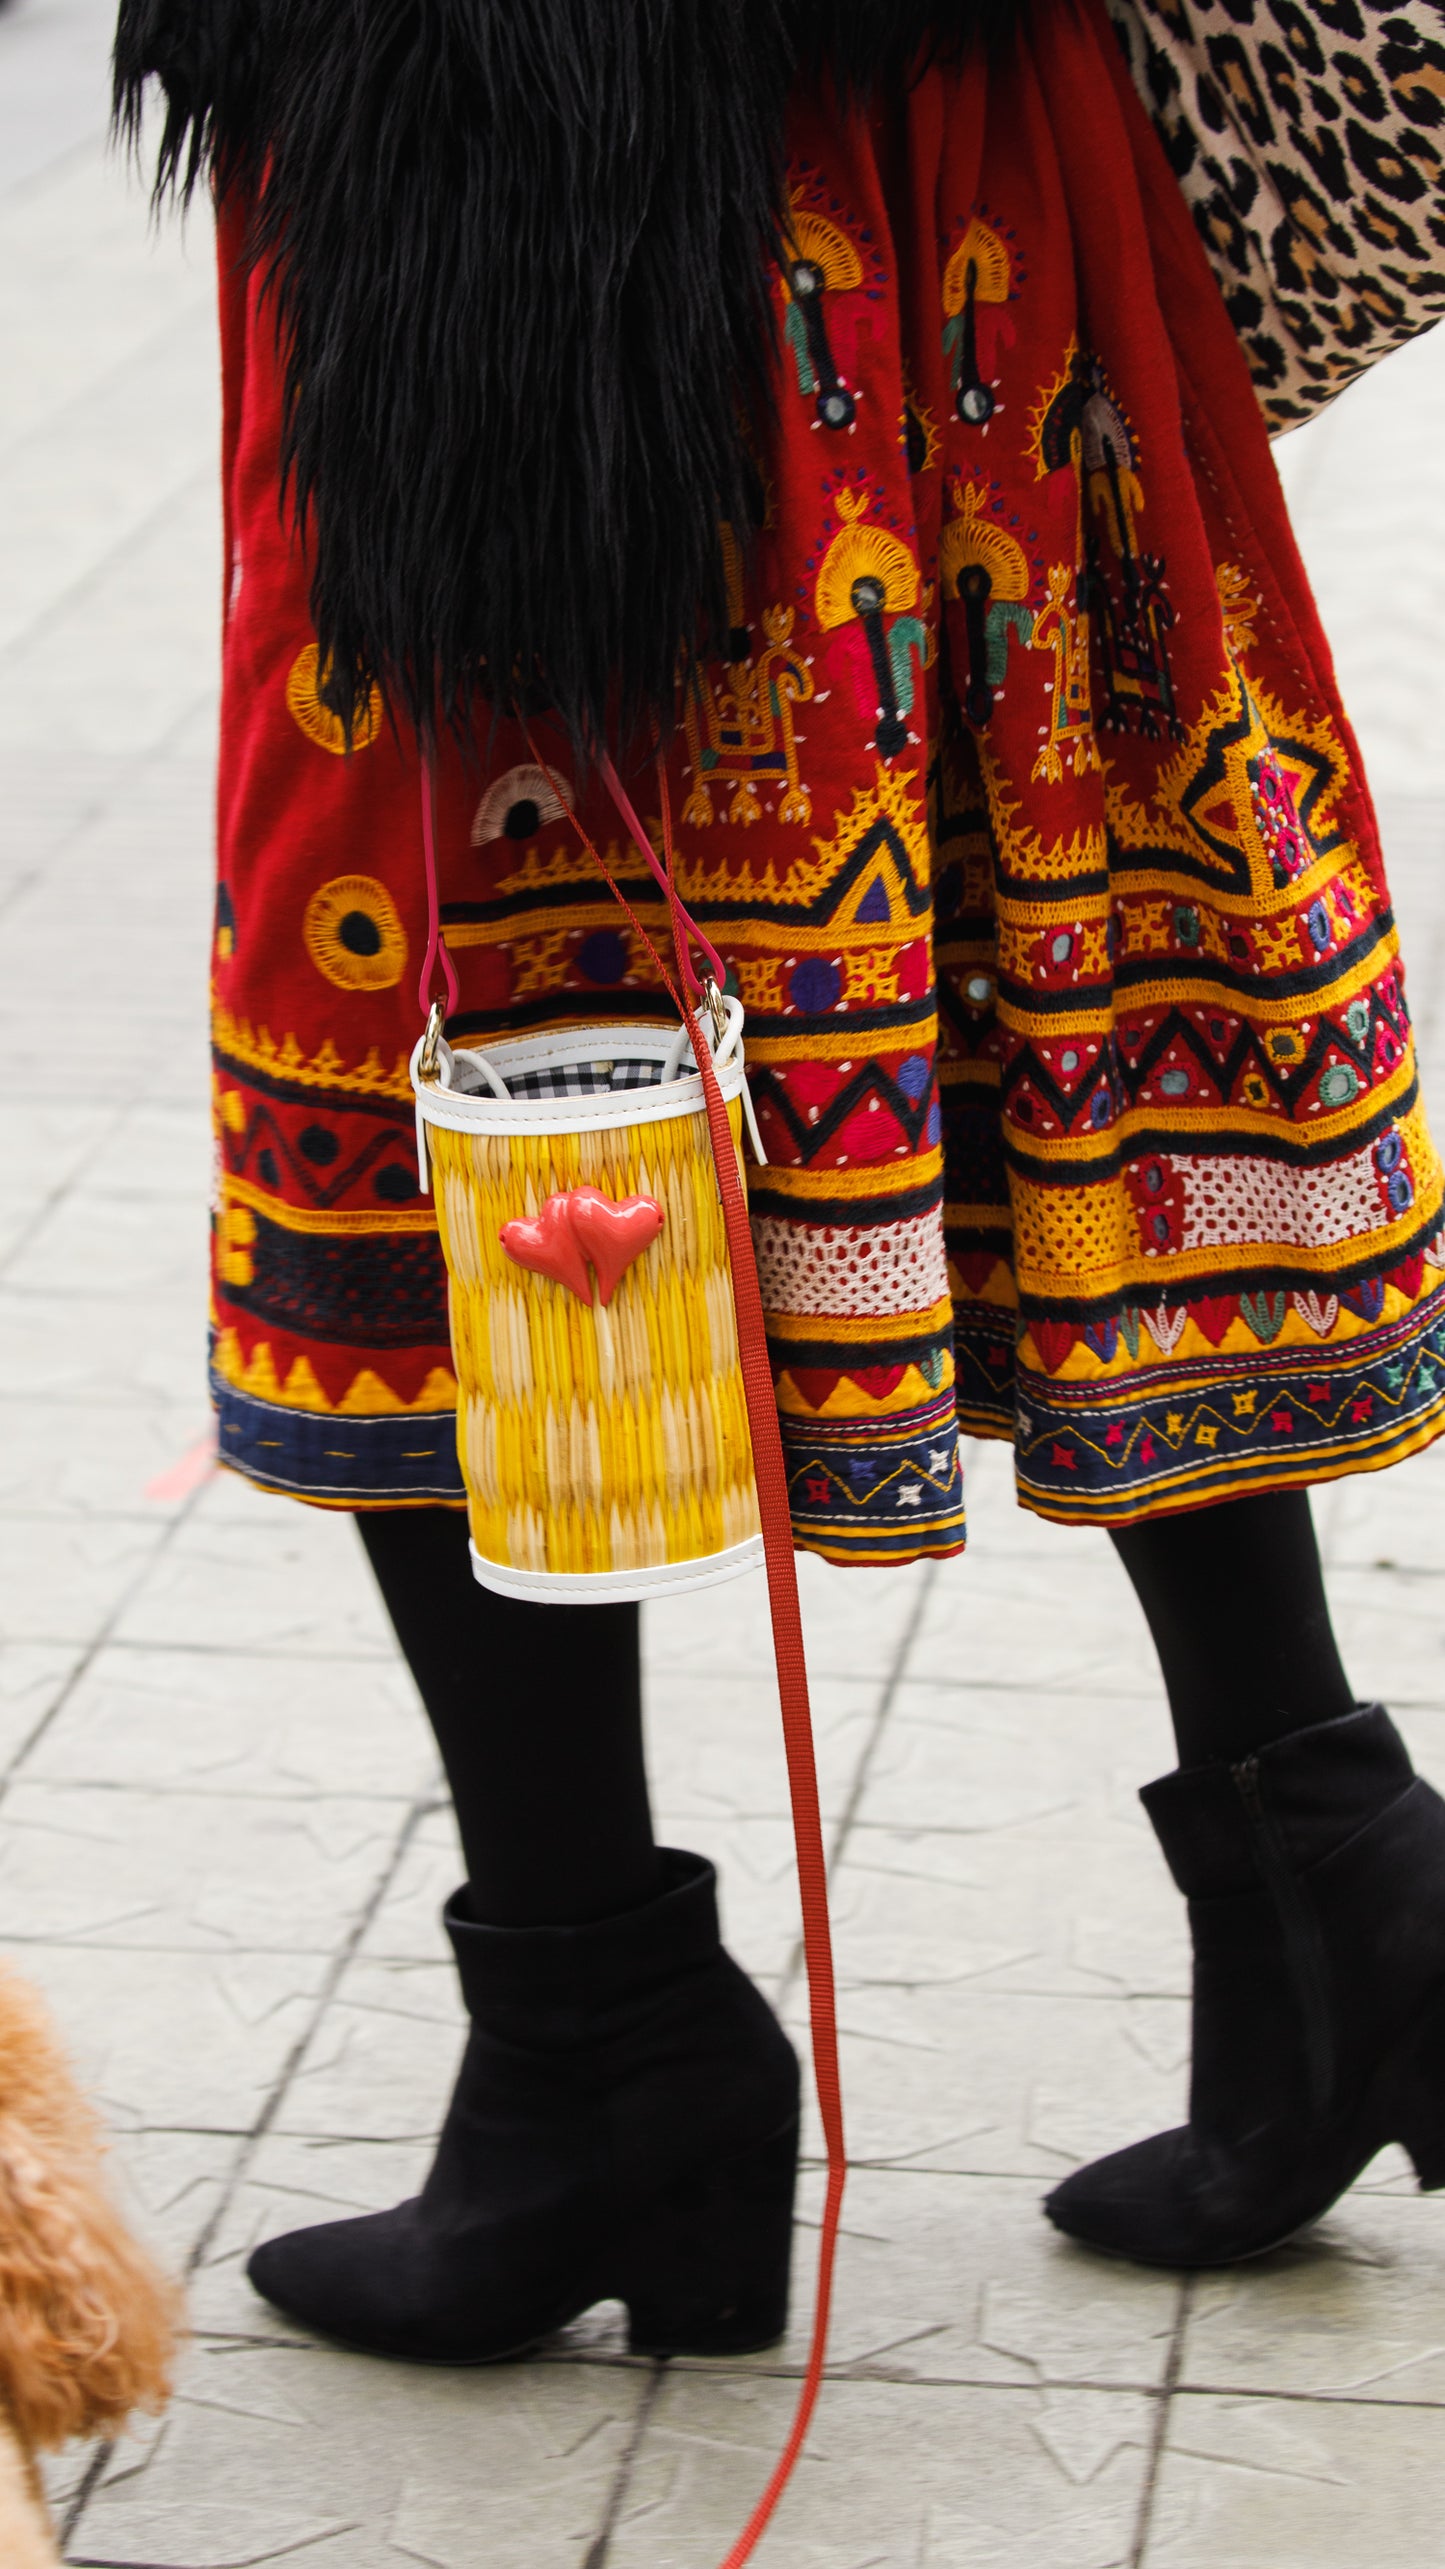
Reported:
(222, 1843)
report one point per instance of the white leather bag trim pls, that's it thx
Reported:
(618, 1587)
(605, 1112)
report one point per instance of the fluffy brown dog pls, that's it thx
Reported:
(87, 2323)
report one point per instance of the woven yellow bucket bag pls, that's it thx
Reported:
(602, 1426)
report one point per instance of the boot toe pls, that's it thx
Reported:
(1145, 2202)
(274, 2271)
(421, 2290)
(325, 2278)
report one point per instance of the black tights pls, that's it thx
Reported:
(537, 1710)
(1235, 1602)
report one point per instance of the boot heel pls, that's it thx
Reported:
(707, 2268)
(1419, 2122)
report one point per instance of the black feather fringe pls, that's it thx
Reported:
(517, 252)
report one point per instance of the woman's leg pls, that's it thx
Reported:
(1235, 1601)
(1313, 1860)
(625, 2122)
(537, 1712)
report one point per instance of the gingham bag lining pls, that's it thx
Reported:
(568, 1079)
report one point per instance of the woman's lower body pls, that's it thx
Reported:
(1028, 823)
(611, 2033)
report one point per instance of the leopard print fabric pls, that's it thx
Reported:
(1309, 139)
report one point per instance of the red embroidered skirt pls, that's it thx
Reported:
(1025, 814)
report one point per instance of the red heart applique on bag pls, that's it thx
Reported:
(579, 1225)
(612, 1234)
(544, 1242)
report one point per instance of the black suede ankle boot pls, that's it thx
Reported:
(1315, 1876)
(625, 2126)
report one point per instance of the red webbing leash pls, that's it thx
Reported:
(770, 1473)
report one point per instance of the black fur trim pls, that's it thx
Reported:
(517, 251)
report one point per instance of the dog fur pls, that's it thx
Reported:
(87, 2322)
